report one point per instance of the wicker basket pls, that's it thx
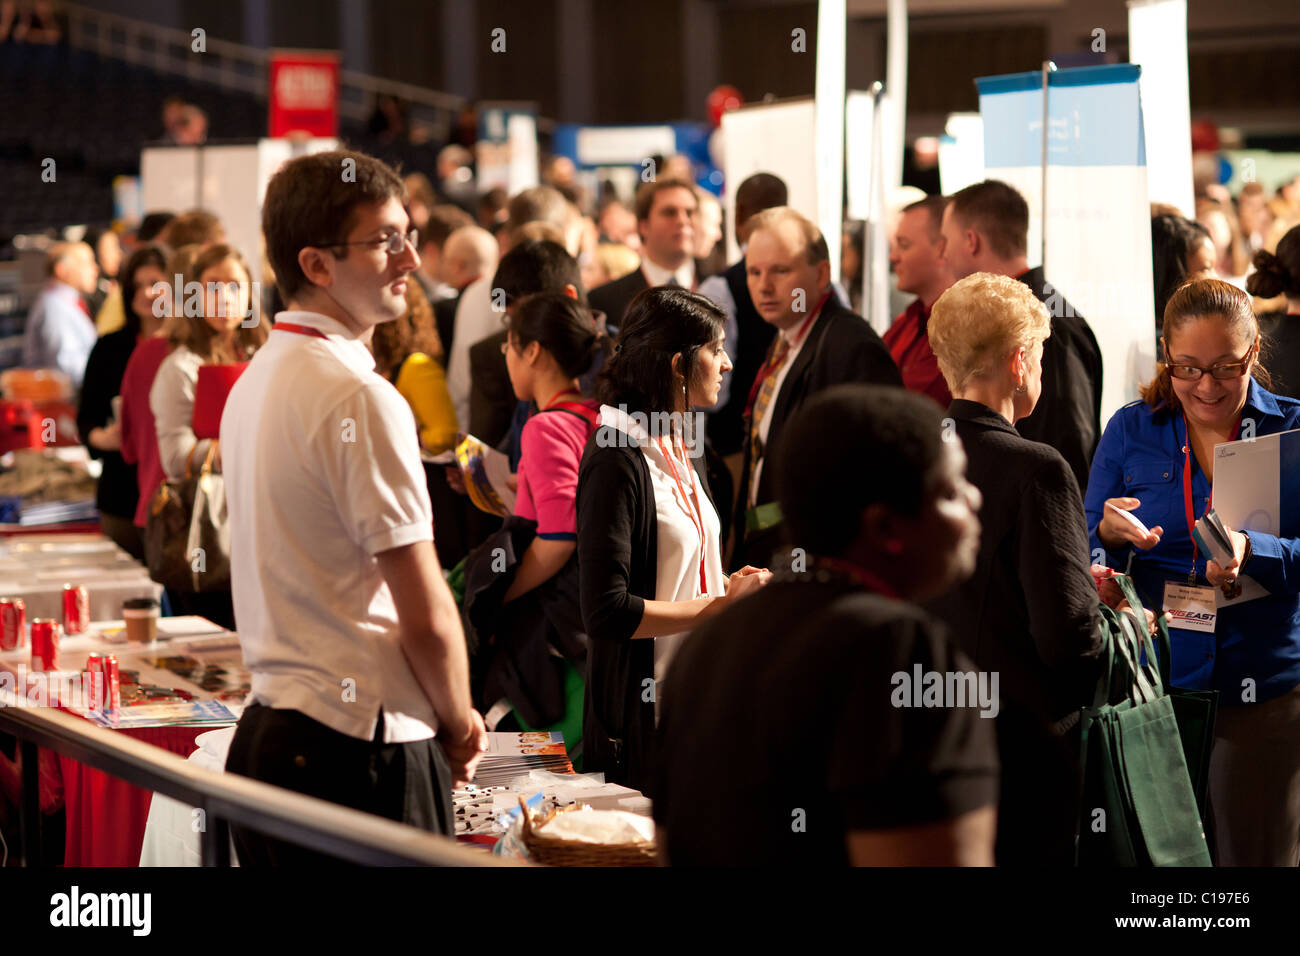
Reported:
(549, 851)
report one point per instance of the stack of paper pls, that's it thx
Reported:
(509, 755)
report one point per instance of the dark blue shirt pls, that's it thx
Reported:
(1141, 456)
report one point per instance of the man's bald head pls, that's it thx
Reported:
(73, 263)
(470, 252)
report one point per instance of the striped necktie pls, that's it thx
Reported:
(768, 374)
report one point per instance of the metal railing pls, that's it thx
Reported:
(234, 66)
(224, 798)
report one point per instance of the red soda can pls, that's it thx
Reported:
(45, 644)
(112, 684)
(76, 609)
(13, 624)
(93, 682)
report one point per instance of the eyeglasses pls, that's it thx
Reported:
(1222, 372)
(395, 242)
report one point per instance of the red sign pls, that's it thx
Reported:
(304, 93)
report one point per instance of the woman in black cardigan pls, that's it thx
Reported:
(117, 493)
(649, 552)
(1029, 612)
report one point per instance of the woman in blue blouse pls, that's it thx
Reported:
(1156, 461)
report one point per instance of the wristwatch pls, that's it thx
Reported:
(1249, 551)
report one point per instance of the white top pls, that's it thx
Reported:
(322, 470)
(658, 275)
(171, 399)
(475, 321)
(677, 573)
(765, 422)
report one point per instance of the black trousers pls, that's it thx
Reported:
(409, 782)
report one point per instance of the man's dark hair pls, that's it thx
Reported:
(444, 219)
(849, 447)
(758, 192)
(658, 324)
(645, 196)
(537, 265)
(152, 225)
(997, 212)
(934, 205)
(492, 202)
(309, 202)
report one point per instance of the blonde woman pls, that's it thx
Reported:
(1029, 612)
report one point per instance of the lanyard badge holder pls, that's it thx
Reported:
(1192, 607)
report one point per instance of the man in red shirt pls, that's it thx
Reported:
(916, 256)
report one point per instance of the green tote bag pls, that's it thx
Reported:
(1138, 805)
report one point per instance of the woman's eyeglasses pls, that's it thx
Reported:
(1225, 371)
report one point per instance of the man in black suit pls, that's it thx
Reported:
(819, 343)
(748, 336)
(665, 220)
(985, 229)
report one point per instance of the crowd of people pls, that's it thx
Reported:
(738, 511)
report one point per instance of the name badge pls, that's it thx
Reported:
(1191, 608)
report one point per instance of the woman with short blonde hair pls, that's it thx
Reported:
(1029, 612)
(982, 320)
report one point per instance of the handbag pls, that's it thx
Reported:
(187, 532)
(1138, 804)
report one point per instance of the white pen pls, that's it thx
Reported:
(1130, 518)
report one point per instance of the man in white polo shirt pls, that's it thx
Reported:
(360, 688)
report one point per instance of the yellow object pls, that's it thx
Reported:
(111, 315)
(423, 383)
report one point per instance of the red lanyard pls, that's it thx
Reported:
(563, 391)
(858, 574)
(696, 514)
(767, 369)
(1188, 508)
(299, 329)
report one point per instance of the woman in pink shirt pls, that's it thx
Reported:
(552, 343)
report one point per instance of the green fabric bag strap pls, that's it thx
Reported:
(1157, 664)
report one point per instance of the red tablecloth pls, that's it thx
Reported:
(106, 816)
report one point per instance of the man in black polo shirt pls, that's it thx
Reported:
(797, 732)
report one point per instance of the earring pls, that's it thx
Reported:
(1021, 388)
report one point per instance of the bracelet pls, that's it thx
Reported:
(1250, 550)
